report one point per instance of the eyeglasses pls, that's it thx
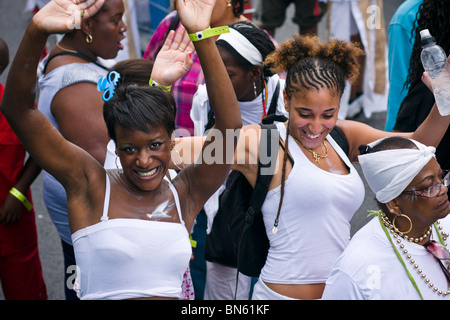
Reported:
(433, 190)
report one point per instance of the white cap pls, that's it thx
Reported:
(424, 33)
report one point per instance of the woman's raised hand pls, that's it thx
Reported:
(174, 59)
(195, 15)
(61, 16)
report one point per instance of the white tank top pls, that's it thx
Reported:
(131, 258)
(313, 227)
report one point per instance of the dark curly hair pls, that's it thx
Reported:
(312, 64)
(433, 15)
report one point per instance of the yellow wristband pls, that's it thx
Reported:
(210, 32)
(153, 83)
(16, 193)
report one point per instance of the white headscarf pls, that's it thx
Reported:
(242, 46)
(389, 172)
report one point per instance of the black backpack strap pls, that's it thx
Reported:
(340, 138)
(274, 102)
(263, 180)
(261, 186)
(271, 114)
(274, 117)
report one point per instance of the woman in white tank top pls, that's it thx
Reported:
(144, 212)
(310, 202)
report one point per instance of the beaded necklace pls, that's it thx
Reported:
(397, 237)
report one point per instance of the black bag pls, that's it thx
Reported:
(238, 237)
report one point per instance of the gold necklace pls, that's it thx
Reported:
(64, 49)
(316, 155)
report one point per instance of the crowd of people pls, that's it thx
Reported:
(126, 147)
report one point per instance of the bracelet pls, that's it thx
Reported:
(16, 193)
(210, 32)
(153, 83)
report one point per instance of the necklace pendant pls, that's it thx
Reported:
(316, 157)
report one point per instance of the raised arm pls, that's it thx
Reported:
(430, 132)
(205, 177)
(47, 147)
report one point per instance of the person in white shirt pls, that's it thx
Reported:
(402, 252)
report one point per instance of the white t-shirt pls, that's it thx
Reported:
(369, 268)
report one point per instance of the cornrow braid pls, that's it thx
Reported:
(312, 64)
(283, 174)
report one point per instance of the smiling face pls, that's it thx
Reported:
(312, 115)
(107, 29)
(144, 156)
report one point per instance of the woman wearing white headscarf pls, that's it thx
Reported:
(402, 252)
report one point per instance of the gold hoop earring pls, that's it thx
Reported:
(410, 224)
(89, 38)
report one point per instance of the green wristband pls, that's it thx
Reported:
(210, 32)
(16, 193)
(153, 83)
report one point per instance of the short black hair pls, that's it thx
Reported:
(139, 108)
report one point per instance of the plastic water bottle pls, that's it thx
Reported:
(434, 62)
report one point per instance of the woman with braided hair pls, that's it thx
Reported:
(312, 199)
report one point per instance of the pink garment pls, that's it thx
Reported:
(187, 287)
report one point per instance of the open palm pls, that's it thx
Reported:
(173, 60)
(61, 16)
(195, 14)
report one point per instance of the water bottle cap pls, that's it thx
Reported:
(425, 33)
(425, 37)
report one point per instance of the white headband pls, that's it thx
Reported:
(243, 46)
(389, 172)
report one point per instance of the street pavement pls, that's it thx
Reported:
(12, 26)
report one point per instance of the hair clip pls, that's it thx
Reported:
(108, 85)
